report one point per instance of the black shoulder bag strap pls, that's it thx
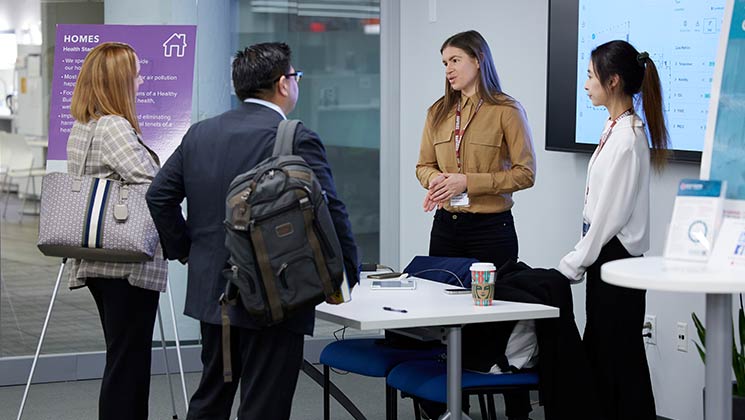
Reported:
(283, 145)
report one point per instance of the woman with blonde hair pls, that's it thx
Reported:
(126, 294)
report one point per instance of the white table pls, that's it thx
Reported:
(658, 273)
(428, 306)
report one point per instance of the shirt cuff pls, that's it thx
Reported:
(478, 184)
(574, 275)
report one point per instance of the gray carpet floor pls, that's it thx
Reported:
(78, 400)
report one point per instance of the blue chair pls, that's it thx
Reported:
(369, 357)
(427, 379)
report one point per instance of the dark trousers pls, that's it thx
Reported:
(614, 344)
(127, 316)
(488, 238)
(266, 362)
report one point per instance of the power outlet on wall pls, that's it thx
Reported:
(649, 330)
(682, 336)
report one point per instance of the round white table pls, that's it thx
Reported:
(658, 273)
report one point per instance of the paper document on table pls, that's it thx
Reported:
(696, 217)
(729, 250)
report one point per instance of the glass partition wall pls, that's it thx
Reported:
(337, 46)
(26, 276)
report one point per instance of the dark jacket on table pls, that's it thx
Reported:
(211, 154)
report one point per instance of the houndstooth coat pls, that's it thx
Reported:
(116, 152)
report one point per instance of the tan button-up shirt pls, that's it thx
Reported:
(497, 154)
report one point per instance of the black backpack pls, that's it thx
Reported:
(284, 252)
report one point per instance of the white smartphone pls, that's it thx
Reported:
(458, 291)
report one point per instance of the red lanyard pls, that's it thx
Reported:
(458, 132)
(606, 133)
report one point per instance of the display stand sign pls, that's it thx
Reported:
(163, 102)
(697, 215)
(729, 251)
(724, 148)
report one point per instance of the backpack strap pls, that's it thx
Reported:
(227, 366)
(285, 140)
(267, 276)
(307, 207)
(229, 297)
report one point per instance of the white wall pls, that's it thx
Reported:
(548, 215)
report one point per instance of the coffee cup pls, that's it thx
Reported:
(482, 283)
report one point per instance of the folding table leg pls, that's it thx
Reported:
(326, 392)
(492, 408)
(318, 377)
(482, 406)
(391, 405)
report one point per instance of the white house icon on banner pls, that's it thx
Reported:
(176, 43)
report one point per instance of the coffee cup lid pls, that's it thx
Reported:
(483, 266)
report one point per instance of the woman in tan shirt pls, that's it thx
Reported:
(476, 151)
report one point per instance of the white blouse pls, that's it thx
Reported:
(617, 197)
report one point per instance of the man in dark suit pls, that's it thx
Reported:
(211, 154)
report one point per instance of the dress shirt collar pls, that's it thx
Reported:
(472, 100)
(267, 104)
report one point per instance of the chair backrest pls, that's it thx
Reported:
(16, 156)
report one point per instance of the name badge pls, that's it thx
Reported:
(585, 227)
(460, 200)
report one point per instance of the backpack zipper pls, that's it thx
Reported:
(236, 276)
(283, 267)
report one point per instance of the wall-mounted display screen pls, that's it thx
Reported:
(681, 37)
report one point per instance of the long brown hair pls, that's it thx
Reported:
(489, 88)
(638, 74)
(106, 84)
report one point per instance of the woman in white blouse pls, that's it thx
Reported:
(615, 225)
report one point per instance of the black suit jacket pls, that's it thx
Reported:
(211, 154)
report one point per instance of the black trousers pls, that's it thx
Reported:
(488, 238)
(127, 316)
(614, 344)
(265, 362)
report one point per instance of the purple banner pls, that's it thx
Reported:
(166, 55)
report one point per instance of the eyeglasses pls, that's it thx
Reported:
(298, 75)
